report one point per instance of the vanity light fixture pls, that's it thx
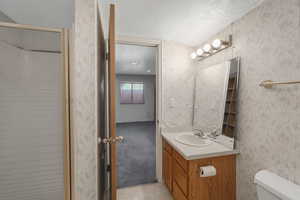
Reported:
(193, 55)
(210, 49)
(200, 52)
(207, 48)
(217, 43)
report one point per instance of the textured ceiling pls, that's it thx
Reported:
(49, 13)
(187, 21)
(132, 59)
(190, 22)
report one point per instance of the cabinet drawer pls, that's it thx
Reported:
(182, 162)
(167, 147)
(177, 194)
(180, 178)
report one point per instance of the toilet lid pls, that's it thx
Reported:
(283, 188)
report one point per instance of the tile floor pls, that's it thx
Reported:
(155, 191)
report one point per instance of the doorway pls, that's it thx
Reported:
(132, 93)
(136, 114)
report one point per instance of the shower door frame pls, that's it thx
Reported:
(64, 48)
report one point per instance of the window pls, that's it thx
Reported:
(125, 94)
(132, 93)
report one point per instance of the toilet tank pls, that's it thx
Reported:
(273, 187)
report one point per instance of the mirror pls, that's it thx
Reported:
(215, 99)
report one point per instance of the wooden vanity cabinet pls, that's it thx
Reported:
(183, 180)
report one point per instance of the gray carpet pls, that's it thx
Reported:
(136, 156)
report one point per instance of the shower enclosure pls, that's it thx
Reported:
(34, 113)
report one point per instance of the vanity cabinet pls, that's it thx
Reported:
(182, 177)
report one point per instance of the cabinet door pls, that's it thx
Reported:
(180, 177)
(199, 187)
(167, 169)
(223, 185)
(219, 187)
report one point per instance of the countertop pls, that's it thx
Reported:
(192, 153)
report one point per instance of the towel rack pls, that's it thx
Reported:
(270, 83)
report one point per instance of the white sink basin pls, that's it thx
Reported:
(193, 140)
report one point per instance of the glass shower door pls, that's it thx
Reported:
(33, 142)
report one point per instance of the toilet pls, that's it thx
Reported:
(270, 186)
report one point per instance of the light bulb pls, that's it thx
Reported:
(200, 52)
(193, 55)
(217, 43)
(207, 48)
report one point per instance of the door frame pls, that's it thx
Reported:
(64, 48)
(158, 76)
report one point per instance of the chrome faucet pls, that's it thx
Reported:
(198, 132)
(214, 133)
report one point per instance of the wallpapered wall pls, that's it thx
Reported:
(267, 40)
(83, 100)
(177, 86)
